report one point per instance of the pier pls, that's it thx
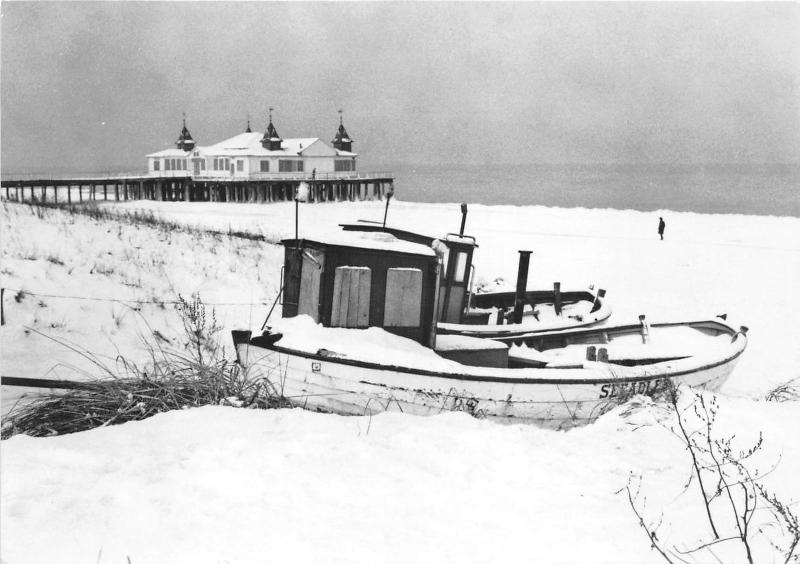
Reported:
(172, 187)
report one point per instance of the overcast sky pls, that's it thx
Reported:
(89, 87)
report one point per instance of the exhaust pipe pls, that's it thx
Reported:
(522, 283)
(557, 297)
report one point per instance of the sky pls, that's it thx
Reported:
(96, 86)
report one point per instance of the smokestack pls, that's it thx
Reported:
(463, 219)
(522, 284)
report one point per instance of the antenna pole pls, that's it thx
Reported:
(296, 214)
(386, 212)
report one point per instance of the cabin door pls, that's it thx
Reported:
(310, 278)
(453, 287)
(352, 286)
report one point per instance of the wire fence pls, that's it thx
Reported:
(20, 292)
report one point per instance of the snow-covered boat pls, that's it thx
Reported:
(359, 337)
(502, 313)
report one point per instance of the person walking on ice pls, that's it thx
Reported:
(661, 226)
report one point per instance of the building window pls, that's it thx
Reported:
(264, 166)
(285, 165)
(166, 164)
(343, 165)
(156, 164)
(203, 164)
(239, 165)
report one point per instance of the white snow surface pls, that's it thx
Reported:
(226, 485)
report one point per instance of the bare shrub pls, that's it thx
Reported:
(200, 327)
(788, 391)
(730, 490)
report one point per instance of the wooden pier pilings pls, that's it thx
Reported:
(67, 190)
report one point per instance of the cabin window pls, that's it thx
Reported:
(227, 164)
(445, 261)
(403, 303)
(264, 166)
(203, 164)
(166, 164)
(239, 165)
(459, 271)
(156, 164)
(343, 165)
(351, 293)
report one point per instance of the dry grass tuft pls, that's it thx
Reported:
(194, 375)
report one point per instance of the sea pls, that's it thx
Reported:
(728, 189)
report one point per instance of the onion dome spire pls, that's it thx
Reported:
(185, 141)
(342, 140)
(271, 140)
(248, 130)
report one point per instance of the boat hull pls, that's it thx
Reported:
(558, 398)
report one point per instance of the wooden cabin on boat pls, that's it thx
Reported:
(372, 280)
(375, 279)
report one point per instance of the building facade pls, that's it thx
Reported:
(254, 156)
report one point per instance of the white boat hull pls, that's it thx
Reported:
(557, 398)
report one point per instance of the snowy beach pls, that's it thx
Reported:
(218, 484)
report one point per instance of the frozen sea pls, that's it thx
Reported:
(717, 188)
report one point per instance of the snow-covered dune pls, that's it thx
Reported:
(221, 484)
